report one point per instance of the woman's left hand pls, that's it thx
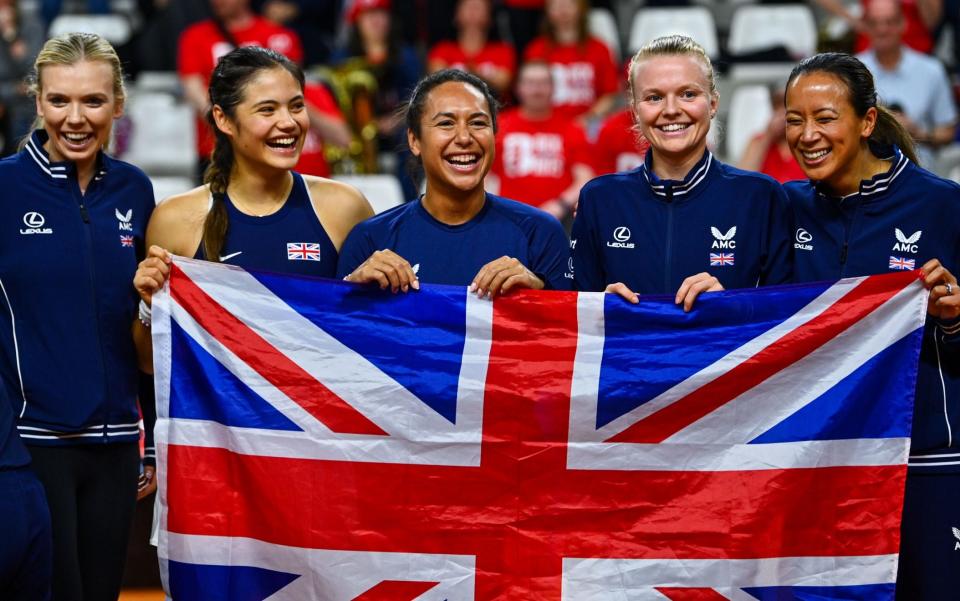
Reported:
(691, 288)
(944, 300)
(500, 275)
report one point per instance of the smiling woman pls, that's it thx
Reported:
(868, 208)
(456, 233)
(67, 361)
(682, 223)
(253, 210)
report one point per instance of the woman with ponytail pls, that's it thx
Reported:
(252, 206)
(868, 208)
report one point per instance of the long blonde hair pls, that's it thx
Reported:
(70, 49)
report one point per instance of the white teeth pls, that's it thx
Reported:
(76, 137)
(463, 159)
(674, 127)
(815, 155)
(283, 141)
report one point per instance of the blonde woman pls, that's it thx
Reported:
(76, 220)
(683, 222)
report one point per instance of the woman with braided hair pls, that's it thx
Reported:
(252, 206)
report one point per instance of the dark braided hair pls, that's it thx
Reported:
(228, 84)
(862, 93)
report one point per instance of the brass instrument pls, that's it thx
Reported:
(354, 86)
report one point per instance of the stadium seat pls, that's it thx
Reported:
(749, 114)
(158, 81)
(165, 186)
(113, 28)
(757, 27)
(696, 22)
(383, 191)
(163, 138)
(603, 26)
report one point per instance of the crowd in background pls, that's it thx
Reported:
(363, 58)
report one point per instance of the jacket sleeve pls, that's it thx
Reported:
(549, 253)
(778, 260)
(588, 273)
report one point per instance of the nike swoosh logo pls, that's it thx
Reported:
(230, 256)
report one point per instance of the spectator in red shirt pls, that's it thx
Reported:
(768, 151)
(584, 74)
(619, 146)
(235, 24)
(493, 62)
(922, 18)
(542, 157)
(202, 44)
(326, 124)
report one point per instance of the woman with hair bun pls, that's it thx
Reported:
(76, 220)
(868, 208)
(252, 205)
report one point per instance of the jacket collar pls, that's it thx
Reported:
(57, 170)
(694, 178)
(877, 184)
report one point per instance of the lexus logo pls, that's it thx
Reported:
(803, 236)
(33, 219)
(621, 234)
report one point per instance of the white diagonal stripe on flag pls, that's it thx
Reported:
(584, 404)
(331, 575)
(635, 579)
(346, 373)
(765, 405)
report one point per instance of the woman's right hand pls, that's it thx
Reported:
(388, 269)
(621, 289)
(152, 272)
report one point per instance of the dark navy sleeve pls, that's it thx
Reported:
(356, 249)
(588, 273)
(549, 252)
(778, 262)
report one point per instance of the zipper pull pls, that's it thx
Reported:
(843, 254)
(84, 213)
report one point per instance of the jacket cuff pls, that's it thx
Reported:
(949, 327)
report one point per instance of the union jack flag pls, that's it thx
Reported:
(902, 263)
(319, 440)
(303, 251)
(721, 259)
(126, 240)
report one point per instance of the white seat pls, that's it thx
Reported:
(163, 138)
(165, 186)
(756, 27)
(750, 112)
(383, 191)
(158, 81)
(696, 22)
(113, 28)
(603, 26)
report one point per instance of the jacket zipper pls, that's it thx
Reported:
(85, 216)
